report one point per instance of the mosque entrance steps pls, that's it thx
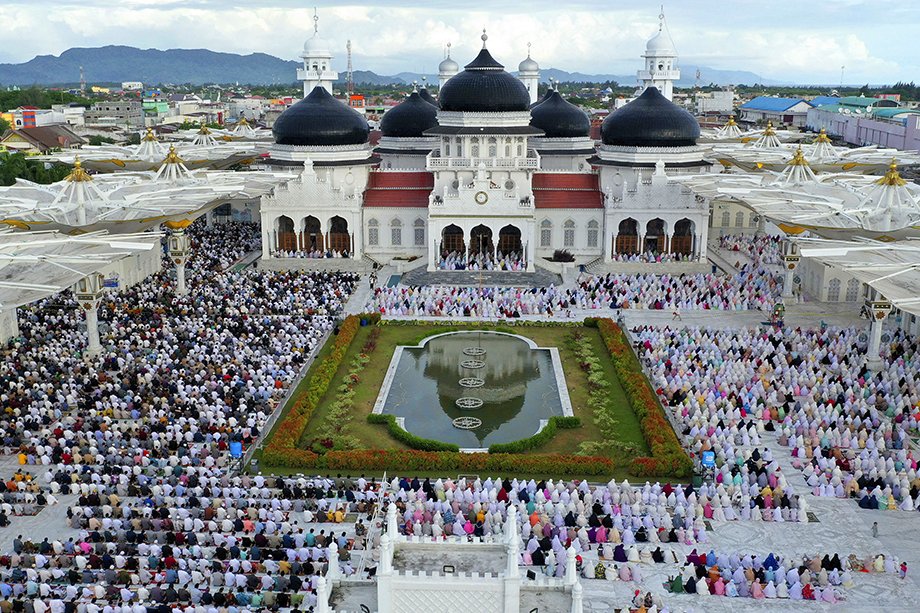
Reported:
(490, 278)
(329, 264)
(644, 268)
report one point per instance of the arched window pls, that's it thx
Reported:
(446, 148)
(373, 232)
(593, 229)
(507, 151)
(739, 219)
(753, 219)
(852, 290)
(568, 234)
(726, 219)
(459, 148)
(833, 290)
(474, 151)
(546, 233)
(493, 147)
(419, 226)
(396, 232)
(520, 150)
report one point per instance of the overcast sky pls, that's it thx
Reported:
(787, 40)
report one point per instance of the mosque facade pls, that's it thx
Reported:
(486, 175)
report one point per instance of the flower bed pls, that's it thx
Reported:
(282, 449)
(668, 458)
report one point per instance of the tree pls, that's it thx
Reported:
(5, 125)
(98, 140)
(18, 166)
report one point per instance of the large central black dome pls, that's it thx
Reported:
(410, 118)
(651, 120)
(320, 120)
(484, 87)
(559, 118)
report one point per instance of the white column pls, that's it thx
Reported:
(322, 595)
(789, 266)
(875, 343)
(93, 346)
(571, 573)
(577, 598)
(385, 576)
(335, 572)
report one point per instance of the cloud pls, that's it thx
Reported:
(587, 36)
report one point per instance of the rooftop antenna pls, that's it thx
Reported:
(315, 21)
(350, 79)
(82, 82)
(841, 76)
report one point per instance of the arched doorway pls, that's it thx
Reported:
(223, 212)
(339, 239)
(312, 234)
(509, 240)
(682, 241)
(655, 238)
(287, 240)
(628, 237)
(452, 240)
(481, 240)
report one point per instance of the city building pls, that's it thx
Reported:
(116, 112)
(41, 139)
(781, 111)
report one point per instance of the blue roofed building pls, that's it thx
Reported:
(789, 112)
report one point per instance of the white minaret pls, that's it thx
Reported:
(447, 69)
(529, 74)
(317, 63)
(660, 63)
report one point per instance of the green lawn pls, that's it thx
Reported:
(565, 442)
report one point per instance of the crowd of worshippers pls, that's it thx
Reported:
(847, 426)
(316, 254)
(194, 370)
(750, 288)
(654, 257)
(456, 260)
(217, 541)
(770, 576)
(554, 516)
(761, 249)
(218, 246)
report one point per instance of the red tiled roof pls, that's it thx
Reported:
(417, 198)
(398, 189)
(563, 199)
(566, 191)
(565, 181)
(391, 180)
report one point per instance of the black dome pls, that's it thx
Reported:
(427, 97)
(560, 119)
(410, 118)
(651, 120)
(320, 119)
(548, 93)
(484, 87)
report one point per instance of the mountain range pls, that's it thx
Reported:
(115, 64)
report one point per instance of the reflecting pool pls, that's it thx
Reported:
(515, 384)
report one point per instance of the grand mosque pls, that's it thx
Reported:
(487, 175)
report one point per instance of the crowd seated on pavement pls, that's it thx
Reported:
(766, 250)
(456, 260)
(650, 257)
(846, 425)
(750, 288)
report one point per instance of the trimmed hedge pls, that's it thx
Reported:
(404, 461)
(407, 438)
(668, 457)
(283, 450)
(543, 436)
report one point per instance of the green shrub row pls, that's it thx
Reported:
(407, 438)
(541, 437)
(668, 457)
(282, 449)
